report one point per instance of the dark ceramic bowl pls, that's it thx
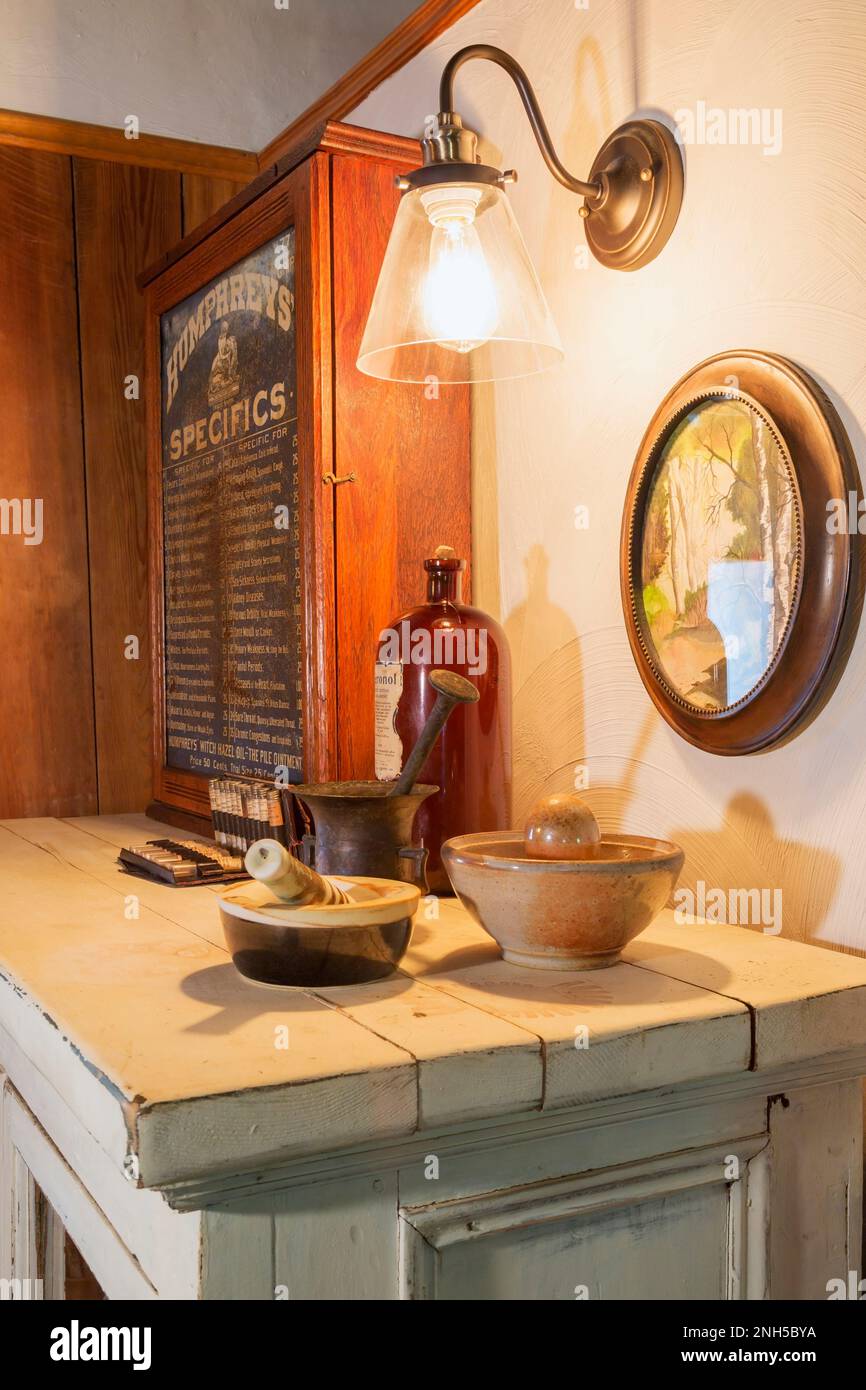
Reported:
(319, 945)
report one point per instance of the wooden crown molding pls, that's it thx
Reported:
(417, 30)
(332, 137)
(58, 136)
(108, 142)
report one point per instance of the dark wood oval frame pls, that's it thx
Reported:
(818, 451)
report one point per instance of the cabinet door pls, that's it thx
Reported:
(52, 1235)
(674, 1228)
(31, 1236)
(241, 522)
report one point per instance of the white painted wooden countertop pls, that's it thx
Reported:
(172, 1061)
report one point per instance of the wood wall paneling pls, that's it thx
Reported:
(203, 196)
(47, 758)
(74, 234)
(410, 455)
(124, 217)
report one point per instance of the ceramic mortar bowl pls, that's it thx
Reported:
(568, 914)
(341, 944)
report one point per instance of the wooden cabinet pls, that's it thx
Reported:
(434, 1136)
(382, 468)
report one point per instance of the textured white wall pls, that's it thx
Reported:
(769, 252)
(227, 72)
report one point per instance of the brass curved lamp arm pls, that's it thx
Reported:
(457, 298)
(530, 102)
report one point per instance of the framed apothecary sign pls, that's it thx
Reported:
(736, 584)
(230, 523)
(290, 496)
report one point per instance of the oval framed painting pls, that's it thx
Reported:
(737, 554)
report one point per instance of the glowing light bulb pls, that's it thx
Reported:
(460, 306)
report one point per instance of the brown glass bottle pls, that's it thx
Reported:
(471, 763)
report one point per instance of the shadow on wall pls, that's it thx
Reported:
(537, 625)
(765, 882)
(589, 124)
(793, 900)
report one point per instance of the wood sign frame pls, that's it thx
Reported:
(383, 467)
(294, 202)
(812, 452)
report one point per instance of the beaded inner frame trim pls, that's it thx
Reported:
(635, 536)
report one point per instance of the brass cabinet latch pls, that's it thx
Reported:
(335, 481)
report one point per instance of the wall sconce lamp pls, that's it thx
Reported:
(458, 298)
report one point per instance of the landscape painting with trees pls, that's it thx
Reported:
(720, 553)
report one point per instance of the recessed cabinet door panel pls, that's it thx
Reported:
(675, 1233)
(55, 1242)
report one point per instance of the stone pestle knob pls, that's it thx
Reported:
(561, 827)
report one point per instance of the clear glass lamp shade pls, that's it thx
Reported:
(458, 298)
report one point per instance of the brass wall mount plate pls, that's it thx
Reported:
(641, 167)
(737, 586)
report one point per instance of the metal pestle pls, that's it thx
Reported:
(451, 689)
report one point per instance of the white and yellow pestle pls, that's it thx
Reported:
(288, 879)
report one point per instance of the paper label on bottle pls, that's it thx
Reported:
(389, 745)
